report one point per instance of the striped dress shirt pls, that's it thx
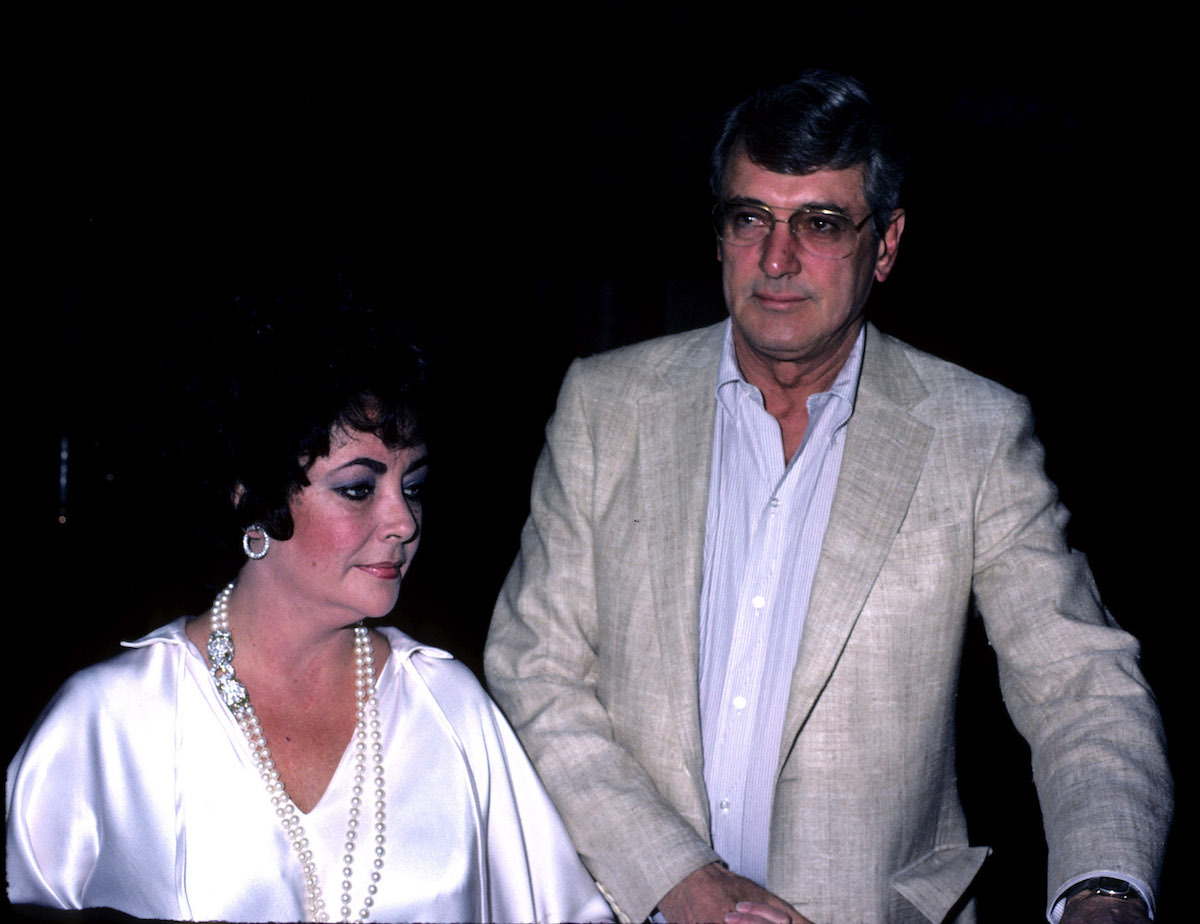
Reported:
(765, 523)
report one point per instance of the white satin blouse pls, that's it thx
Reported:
(136, 791)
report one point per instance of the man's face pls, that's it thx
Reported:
(787, 304)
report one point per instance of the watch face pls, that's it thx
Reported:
(1118, 888)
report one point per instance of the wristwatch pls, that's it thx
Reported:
(1105, 885)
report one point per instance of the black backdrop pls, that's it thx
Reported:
(1042, 248)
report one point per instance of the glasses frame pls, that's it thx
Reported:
(797, 236)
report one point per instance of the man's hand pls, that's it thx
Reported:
(714, 895)
(1089, 908)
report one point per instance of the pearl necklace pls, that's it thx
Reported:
(233, 693)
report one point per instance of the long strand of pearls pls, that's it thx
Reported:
(367, 737)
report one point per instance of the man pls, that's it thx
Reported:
(731, 639)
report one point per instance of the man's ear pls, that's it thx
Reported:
(888, 245)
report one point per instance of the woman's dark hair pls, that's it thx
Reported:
(822, 120)
(318, 360)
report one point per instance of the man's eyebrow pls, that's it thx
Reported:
(827, 207)
(744, 200)
(813, 206)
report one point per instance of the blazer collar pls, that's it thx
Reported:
(675, 426)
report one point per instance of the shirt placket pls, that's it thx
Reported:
(751, 640)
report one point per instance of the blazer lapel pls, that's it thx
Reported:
(674, 457)
(881, 464)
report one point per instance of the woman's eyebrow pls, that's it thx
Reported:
(373, 465)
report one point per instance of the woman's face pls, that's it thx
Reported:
(358, 523)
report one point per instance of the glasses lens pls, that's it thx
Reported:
(742, 224)
(826, 233)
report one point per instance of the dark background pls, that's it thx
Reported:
(534, 188)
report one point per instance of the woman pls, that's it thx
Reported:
(274, 759)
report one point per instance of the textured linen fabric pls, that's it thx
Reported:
(942, 507)
(136, 791)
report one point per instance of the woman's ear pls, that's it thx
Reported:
(239, 491)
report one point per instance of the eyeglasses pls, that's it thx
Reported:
(822, 232)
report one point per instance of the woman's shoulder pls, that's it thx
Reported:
(454, 686)
(124, 685)
(141, 661)
(434, 664)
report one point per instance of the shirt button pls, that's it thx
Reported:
(724, 805)
(759, 601)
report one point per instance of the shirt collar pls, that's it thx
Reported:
(845, 386)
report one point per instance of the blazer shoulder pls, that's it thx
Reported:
(914, 377)
(653, 363)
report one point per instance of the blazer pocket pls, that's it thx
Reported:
(935, 882)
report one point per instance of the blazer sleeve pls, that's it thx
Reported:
(1069, 675)
(542, 667)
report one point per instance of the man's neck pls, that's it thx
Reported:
(787, 383)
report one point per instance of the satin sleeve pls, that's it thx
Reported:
(48, 795)
(547, 868)
(90, 823)
(529, 868)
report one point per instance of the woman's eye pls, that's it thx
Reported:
(356, 492)
(414, 490)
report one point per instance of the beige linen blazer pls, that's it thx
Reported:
(941, 500)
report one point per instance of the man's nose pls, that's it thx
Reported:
(780, 252)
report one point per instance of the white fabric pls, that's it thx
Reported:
(135, 791)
